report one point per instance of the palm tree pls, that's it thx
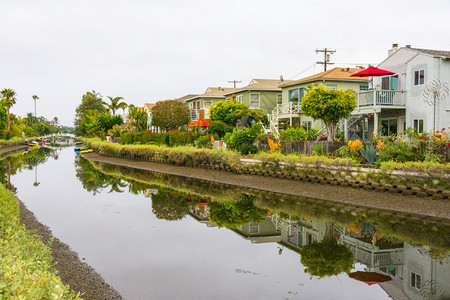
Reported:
(30, 119)
(35, 97)
(116, 104)
(9, 96)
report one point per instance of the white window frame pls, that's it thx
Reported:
(239, 98)
(414, 283)
(363, 87)
(252, 227)
(250, 104)
(279, 99)
(418, 124)
(331, 86)
(307, 125)
(420, 80)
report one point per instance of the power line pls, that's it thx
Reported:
(326, 57)
(234, 82)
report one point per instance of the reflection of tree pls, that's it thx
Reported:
(91, 179)
(234, 214)
(326, 258)
(169, 207)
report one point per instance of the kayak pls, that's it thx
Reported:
(86, 151)
(85, 147)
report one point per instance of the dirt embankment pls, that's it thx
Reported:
(77, 274)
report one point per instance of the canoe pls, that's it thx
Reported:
(82, 148)
(87, 151)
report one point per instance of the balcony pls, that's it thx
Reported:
(287, 109)
(381, 98)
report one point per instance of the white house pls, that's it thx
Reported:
(396, 102)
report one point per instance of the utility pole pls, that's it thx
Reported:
(326, 57)
(234, 82)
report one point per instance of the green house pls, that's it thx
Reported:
(199, 104)
(263, 94)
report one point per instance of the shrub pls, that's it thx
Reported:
(242, 141)
(298, 134)
(219, 128)
(369, 152)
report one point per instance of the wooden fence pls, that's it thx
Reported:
(304, 147)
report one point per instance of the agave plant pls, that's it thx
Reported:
(369, 152)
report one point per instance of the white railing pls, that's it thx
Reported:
(381, 97)
(288, 108)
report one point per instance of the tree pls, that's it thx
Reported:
(328, 105)
(327, 258)
(35, 97)
(9, 96)
(138, 118)
(226, 111)
(170, 114)
(115, 104)
(89, 101)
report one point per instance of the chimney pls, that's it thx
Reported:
(408, 46)
(394, 48)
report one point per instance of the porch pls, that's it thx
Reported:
(199, 114)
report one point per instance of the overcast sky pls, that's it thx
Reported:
(147, 51)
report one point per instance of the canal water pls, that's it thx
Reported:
(154, 236)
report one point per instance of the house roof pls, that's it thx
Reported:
(437, 53)
(333, 74)
(211, 92)
(261, 84)
(149, 106)
(182, 99)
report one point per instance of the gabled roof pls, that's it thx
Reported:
(211, 92)
(342, 74)
(261, 85)
(182, 99)
(436, 53)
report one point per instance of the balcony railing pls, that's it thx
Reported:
(288, 108)
(381, 98)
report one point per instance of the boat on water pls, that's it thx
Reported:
(85, 147)
(86, 151)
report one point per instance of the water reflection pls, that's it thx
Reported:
(329, 238)
(28, 159)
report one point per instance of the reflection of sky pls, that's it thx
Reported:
(147, 258)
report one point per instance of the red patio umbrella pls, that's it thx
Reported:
(372, 71)
(369, 277)
(199, 123)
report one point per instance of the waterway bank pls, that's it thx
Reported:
(408, 204)
(71, 269)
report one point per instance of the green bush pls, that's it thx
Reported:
(25, 262)
(298, 134)
(219, 128)
(242, 141)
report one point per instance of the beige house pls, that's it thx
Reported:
(289, 111)
(199, 104)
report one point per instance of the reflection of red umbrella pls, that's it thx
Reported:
(372, 71)
(199, 123)
(369, 277)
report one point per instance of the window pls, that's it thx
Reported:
(418, 125)
(363, 87)
(254, 101)
(306, 125)
(254, 228)
(296, 95)
(279, 99)
(239, 98)
(332, 86)
(416, 280)
(419, 77)
(389, 126)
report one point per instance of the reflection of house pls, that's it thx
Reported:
(289, 112)
(199, 104)
(424, 276)
(263, 232)
(396, 102)
(200, 212)
(297, 233)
